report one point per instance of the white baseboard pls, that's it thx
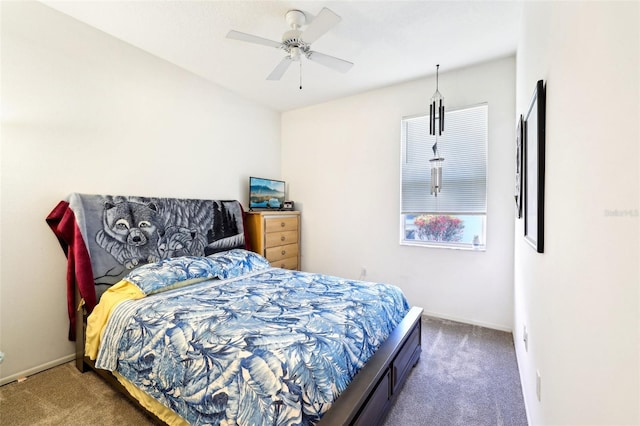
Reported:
(37, 369)
(468, 321)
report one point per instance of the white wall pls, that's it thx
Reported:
(84, 112)
(579, 300)
(342, 160)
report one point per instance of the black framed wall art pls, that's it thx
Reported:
(519, 174)
(534, 159)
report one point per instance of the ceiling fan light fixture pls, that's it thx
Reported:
(294, 53)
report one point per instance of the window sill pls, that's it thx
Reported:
(480, 248)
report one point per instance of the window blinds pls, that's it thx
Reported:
(464, 176)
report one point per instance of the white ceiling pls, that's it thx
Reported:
(389, 41)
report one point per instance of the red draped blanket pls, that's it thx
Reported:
(79, 273)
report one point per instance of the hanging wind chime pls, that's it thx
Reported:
(436, 127)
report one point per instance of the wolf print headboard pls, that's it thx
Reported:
(105, 236)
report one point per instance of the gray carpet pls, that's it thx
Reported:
(467, 375)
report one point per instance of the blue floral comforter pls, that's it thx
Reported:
(270, 347)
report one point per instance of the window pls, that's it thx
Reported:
(457, 216)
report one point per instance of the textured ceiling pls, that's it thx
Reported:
(389, 41)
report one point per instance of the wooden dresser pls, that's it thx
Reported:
(276, 236)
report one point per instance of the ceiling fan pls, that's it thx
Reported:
(297, 43)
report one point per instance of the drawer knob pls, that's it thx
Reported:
(282, 224)
(284, 252)
(282, 238)
(282, 266)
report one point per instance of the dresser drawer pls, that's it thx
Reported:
(273, 239)
(282, 252)
(288, 263)
(277, 224)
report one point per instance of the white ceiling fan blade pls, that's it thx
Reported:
(330, 61)
(280, 69)
(322, 23)
(237, 35)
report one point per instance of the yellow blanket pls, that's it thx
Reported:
(124, 290)
(165, 414)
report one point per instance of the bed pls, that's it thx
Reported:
(197, 329)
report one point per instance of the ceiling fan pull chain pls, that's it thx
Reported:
(300, 75)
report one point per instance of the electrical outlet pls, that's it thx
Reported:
(538, 385)
(525, 338)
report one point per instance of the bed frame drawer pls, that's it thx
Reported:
(377, 404)
(406, 359)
